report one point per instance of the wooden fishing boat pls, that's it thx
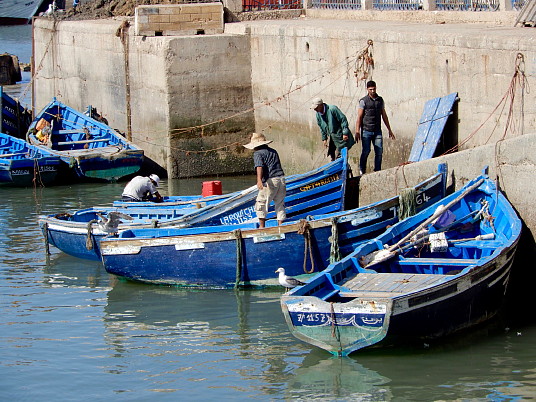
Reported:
(14, 118)
(244, 255)
(321, 190)
(23, 165)
(438, 272)
(89, 149)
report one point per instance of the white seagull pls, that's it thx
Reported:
(287, 281)
(110, 224)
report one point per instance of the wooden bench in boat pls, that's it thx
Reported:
(82, 141)
(437, 261)
(75, 131)
(389, 285)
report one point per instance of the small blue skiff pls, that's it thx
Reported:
(89, 149)
(438, 272)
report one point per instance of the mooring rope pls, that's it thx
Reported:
(89, 238)
(303, 229)
(238, 236)
(47, 245)
(334, 252)
(407, 203)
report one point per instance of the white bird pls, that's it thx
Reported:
(287, 281)
(110, 224)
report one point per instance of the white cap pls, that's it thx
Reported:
(155, 178)
(316, 102)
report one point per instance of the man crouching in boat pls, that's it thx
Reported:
(270, 179)
(142, 188)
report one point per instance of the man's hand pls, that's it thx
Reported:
(325, 143)
(260, 186)
(392, 135)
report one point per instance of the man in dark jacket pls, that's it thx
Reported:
(370, 113)
(333, 126)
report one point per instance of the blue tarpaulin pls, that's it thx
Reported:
(431, 126)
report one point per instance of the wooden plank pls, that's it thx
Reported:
(437, 261)
(76, 131)
(81, 142)
(10, 155)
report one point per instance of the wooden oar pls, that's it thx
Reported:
(382, 255)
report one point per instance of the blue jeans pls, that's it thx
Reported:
(368, 137)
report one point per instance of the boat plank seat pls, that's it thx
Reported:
(437, 261)
(75, 131)
(388, 285)
(82, 141)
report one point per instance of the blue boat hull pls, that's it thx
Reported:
(249, 257)
(319, 191)
(439, 272)
(89, 149)
(14, 118)
(23, 165)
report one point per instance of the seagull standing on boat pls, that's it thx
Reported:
(110, 224)
(287, 281)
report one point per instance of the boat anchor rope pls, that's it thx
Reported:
(334, 252)
(89, 238)
(303, 229)
(239, 255)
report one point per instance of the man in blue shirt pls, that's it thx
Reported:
(370, 113)
(270, 179)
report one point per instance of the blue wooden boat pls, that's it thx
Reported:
(23, 165)
(319, 191)
(441, 271)
(244, 255)
(89, 149)
(14, 118)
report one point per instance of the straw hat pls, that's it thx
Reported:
(256, 141)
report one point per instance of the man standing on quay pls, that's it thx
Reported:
(370, 113)
(270, 179)
(333, 126)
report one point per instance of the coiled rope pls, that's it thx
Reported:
(303, 229)
(89, 238)
(334, 252)
(238, 236)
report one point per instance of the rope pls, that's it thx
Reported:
(364, 63)
(334, 252)
(47, 245)
(239, 255)
(407, 204)
(89, 238)
(334, 329)
(122, 34)
(303, 229)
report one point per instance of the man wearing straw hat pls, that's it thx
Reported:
(270, 179)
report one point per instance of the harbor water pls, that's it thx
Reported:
(69, 331)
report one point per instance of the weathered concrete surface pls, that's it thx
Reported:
(512, 162)
(150, 87)
(295, 60)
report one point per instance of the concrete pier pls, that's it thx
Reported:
(179, 96)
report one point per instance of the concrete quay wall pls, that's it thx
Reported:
(295, 60)
(151, 87)
(262, 75)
